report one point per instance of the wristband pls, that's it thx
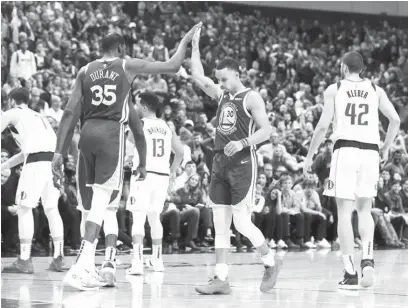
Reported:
(244, 142)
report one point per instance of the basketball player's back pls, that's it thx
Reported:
(158, 141)
(356, 111)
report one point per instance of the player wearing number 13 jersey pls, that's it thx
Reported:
(100, 95)
(352, 105)
(147, 198)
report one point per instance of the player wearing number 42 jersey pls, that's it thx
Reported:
(147, 198)
(352, 106)
(101, 99)
(37, 140)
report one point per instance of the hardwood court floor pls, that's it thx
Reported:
(308, 279)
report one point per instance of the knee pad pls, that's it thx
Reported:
(100, 201)
(139, 220)
(156, 228)
(110, 223)
(244, 225)
(222, 223)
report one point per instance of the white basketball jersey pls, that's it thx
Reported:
(35, 133)
(158, 142)
(356, 112)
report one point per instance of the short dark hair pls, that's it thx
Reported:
(20, 95)
(150, 100)
(354, 61)
(228, 63)
(111, 42)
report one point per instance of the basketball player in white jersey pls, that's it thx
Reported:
(147, 198)
(37, 140)
(352, 105)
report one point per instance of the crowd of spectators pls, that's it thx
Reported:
(289, 61)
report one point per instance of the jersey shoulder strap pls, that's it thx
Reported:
(338, 85)
(373, 85)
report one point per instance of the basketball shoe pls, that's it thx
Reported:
(367, 273)
(108, 273)
(349, 282)
(215, 286)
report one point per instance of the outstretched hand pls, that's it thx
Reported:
(196, 37)
(189, 36)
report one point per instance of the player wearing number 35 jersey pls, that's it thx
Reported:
(37, 141)
(101, 98)
(352, 106)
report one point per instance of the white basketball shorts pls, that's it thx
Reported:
(36, 182)
(354, 173)
(148, 195)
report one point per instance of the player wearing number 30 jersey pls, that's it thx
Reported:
(352, 106)
(37, 141)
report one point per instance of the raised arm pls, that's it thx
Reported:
(197, 71)
(387, 108)
(137, 66)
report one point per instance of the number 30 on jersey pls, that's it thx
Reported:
(103, 95)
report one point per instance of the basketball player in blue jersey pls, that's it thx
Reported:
(352, 106)
(104, 86)
(242, 123)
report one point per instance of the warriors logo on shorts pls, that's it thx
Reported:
(23, 195)
(228, 119)
(330, 185)
(132, 200)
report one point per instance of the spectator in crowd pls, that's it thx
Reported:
(22, 63)
(315, 219)
(291, 214)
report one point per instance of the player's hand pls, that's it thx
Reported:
(57, 173)
(13, 209)
(189, 36)
(196, 37)
(307, 167)
(233, 147)
(140, 173)
(323, 216)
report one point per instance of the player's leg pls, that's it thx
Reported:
(110, 227)
(220, 198)
(365, 192)
(342, 186)
(138, 201)
(28, 193)
(99, 154)
(50, 196)
(156, 227)
(243, 182)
